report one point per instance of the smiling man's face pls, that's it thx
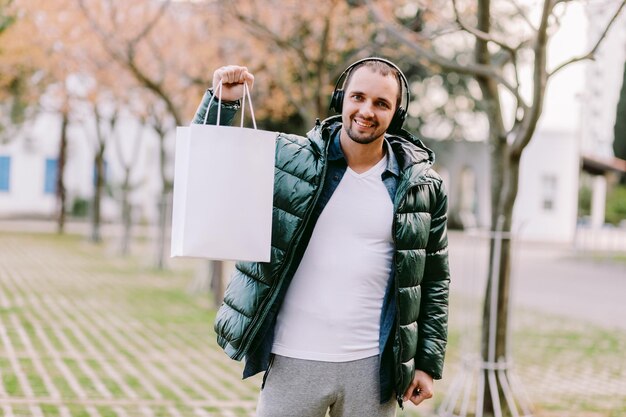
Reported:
(369, 104)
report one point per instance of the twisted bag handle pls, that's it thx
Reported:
(246, 92)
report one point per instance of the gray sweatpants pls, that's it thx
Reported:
(304, 388)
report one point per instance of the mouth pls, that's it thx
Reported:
(363, 123)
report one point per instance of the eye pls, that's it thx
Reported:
(357, 97)
(383, 105)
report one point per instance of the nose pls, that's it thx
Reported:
(367, 109)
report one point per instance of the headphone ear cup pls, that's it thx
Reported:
(397, 121)
(336, 102)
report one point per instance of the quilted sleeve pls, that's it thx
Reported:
(227, 113)
(433, 318)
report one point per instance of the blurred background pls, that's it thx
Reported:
(523, 102)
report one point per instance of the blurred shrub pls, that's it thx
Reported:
(584, 201)
(80, 207)
(616, 205)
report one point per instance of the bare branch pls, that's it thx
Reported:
(151, 24)
(95, 26)
(349, 58)
(429, 58)
(259, 29)
(522, 13)
(322, 73)
(591, 53)
(112, 14)
(561, 1)
(154, 86)
(161, 61)
(482, 35)
(262, 30)
(127, 59)
(540, 80)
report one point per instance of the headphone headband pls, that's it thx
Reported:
(347, 71)
(336, 102)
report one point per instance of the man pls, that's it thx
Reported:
(352, 308)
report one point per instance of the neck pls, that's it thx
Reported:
(361, 157)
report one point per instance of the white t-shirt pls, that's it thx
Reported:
(332, 308)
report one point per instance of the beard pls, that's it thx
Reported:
(364, 138)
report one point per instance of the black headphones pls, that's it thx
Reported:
(336, 102)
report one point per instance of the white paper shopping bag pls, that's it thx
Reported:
(223, 192)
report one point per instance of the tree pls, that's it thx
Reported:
(7, 17)
(297, 54)
(162, 47)
(128, 161)
(619, 139)
(502, 36)
(100, 117)
(61, 194)
(21, 67)
(41, 55)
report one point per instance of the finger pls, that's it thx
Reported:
(224, 74)
(417, 400)
(240, 77)
(416, 397)
(234, 75)
(250, 79)
(420, 395)
(230, 74)
(410, 391)
(217, 77)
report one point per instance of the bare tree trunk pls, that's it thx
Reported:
(164, 222)
(126, 214)
(217, 282)
(97, 195)
(60, 183)
(489, 89)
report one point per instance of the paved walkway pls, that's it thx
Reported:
(84, 333)
(568, 324)
(81, 336)
(548, 278)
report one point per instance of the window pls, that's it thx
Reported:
(50, 180)
(548, 191)
(5, 173)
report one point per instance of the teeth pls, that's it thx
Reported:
(363, 124)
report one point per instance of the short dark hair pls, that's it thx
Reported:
(381, 68)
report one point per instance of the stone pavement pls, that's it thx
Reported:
(550, 278)
(80, 335)
(568, 318)
(85, 333)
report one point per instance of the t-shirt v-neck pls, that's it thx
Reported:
(379, 168)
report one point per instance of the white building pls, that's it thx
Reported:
(29, 164)
(546, 207)
(576, 127)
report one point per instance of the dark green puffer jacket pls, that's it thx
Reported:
(420, 260)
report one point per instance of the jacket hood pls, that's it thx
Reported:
(408, 149)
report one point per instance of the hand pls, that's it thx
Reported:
(421, 388)
(233, 78)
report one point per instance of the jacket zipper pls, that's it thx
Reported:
(267, 371)
(400, 395)
(253, 330)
